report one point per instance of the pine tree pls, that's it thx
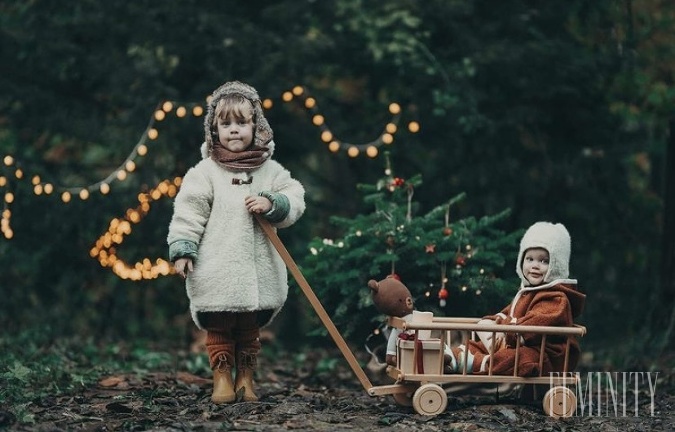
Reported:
(452, 267)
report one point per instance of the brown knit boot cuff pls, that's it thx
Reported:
(221, 356)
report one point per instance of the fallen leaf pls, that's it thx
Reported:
(119, 408)
(188, 378)
(111, 381)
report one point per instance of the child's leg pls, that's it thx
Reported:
(528, 362)
(475, 359)
(247, 347)
(220, 348)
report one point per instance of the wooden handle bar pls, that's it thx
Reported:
(314, 301)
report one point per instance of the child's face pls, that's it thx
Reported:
(235, 134)
(535, 265)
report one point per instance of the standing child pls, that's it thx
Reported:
(236, 281)
(546, 298)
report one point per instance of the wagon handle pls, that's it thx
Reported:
(314, 301)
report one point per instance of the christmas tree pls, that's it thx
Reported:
(453, 267)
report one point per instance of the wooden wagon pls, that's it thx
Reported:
(419, 376)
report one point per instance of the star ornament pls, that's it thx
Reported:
(430, 248)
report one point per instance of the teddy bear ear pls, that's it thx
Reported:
(373, 285)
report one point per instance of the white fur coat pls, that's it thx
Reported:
(237, 268)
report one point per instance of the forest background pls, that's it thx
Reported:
(558, 111)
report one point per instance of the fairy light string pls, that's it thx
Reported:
(105, 248)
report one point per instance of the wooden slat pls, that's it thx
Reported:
(542, 351)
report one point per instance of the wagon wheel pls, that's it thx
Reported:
(403, 399)
(430, 400)
(560, 402)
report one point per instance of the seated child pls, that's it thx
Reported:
(546, 298)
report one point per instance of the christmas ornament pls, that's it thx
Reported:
(430, 248)
(460, 260)
(447, 231)
(443, 296)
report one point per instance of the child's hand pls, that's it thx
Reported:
(183, 266)
(258, 204)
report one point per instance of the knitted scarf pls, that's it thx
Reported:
(249, 159)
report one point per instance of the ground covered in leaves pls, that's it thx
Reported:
(306, 391)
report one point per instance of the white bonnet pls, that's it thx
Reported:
(556, 240)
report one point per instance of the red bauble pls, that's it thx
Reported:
(442, 296)
(447, 231)
(460, 260)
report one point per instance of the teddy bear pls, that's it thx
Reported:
(391, 297)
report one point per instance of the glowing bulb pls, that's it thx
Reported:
(387, 138)
(391, 128)
(167, 106)
(353, 151)
(104, 188)
(3, 181)
(84, 194)
(8, 160)
(18, 173)
(142, 150)
(318, 120)
(267, 103)
(371, 151)
(334, 146)
(197, 111)
(9, 197)
(181, 111)
(394, 108)
(37, 190)
(153, 133)
(310, 102)
(326, 136)
(160, 115)
(65, 197)
(35, 180)
(414, 127)
(298, 90)
(121, 175)
(130, 166)
(287, 96)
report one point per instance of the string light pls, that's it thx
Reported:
(105, 248)
(146, 268)
(335, 145)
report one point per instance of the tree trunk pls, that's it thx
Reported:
(664, 318)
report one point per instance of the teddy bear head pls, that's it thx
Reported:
(391, 297)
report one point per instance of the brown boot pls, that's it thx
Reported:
(223, 387)
(246, 366)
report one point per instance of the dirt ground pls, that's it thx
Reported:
(304, 398)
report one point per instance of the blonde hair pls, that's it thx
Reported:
(234, 105)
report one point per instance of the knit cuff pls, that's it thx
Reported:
(183, 249)
(281, 207)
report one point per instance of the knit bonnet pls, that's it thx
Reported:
(556, 240)
(262, 133)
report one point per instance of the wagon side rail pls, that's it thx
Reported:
(469, 326)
